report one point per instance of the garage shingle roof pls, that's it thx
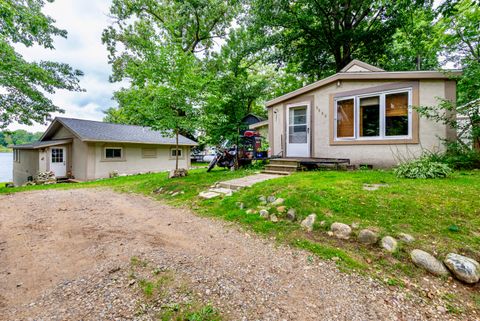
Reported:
(88, 130)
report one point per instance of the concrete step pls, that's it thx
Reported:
(281, 168)
(275, 172)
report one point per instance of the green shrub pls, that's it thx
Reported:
(423, 167)
(457, 157)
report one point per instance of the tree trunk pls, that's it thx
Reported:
(176, 149)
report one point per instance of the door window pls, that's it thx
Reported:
(57, 155)
(297, 125)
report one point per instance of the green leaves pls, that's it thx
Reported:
(24, 83)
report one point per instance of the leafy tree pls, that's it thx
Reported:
(415, 43)
(23, 84)
(238, 84)
(323, 36)
(153, 44)
(459, 35)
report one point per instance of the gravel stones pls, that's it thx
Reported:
(274, 218)
(428, 262)
(308, 222)
(367, 237)
(271, 199)
(291, 215)
(464, 268)
(389, 243)
(281, 209)
(341, 231)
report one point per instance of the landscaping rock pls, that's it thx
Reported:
(407, 238)
(271, 199)
(274, 218)
(464, 268)
(278, 202)
(174, 173)
(281, 209)
(367, 237)
(355, 225)
(291, 215)
(428, 262)
(308, 222)
(341, 231)
(262, 200)
(251, 211)
(264, 213)
(389, 243)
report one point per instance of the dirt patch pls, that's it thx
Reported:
(66, 254)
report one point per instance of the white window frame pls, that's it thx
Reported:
(356, 103)
(112, 158)
(180, 149)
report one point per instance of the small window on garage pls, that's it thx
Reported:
(174, 152)
(113, 152)
(149, 152)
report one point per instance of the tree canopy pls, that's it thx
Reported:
(23, 83)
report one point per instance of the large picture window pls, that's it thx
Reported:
(384, 115)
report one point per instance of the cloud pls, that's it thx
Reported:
(83, 49)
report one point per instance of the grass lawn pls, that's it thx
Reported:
(443, 215)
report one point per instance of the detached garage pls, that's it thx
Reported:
(87, 150)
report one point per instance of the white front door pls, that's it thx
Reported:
(298, 130)
(58, 161)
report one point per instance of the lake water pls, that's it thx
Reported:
(6, 167)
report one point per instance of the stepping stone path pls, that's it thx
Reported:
(373, 187)
(227, 188)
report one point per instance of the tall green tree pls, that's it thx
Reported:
(415, 44)
(153, 44)
(23, 84)
(238, 84)
(323, 36)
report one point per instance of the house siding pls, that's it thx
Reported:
(379, 155)
(26, 167)
(133, 162)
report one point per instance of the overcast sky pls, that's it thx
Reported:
(83, 49)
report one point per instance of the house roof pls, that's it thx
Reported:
(96, 131)
(358, 70)
(259, 124)
(43, 144)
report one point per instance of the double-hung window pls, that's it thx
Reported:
(374, 116)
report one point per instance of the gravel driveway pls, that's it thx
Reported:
(65, 254)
